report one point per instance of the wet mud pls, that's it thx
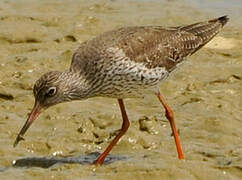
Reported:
(205, 94)
(47, 162)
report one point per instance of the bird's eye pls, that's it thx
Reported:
(51, 91)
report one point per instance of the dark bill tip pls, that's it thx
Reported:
(33, 115)
(19, 138)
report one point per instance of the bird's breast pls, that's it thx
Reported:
(123, 77)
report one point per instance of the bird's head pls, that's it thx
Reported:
(49, 90)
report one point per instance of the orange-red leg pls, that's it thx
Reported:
(170, 117)
(123, 130)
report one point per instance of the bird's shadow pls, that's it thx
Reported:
(47, 162)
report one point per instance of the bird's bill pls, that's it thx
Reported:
(33, 115)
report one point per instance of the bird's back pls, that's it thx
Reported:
(143, 54)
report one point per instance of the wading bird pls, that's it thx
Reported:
(123, 63)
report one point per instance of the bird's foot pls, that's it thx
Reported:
(98, 162)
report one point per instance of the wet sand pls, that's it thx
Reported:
(205, 94)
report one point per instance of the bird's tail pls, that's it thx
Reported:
(206, 30)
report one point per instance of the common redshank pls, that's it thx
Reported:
(124, 63)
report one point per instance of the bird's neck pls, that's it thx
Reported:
(76, 86)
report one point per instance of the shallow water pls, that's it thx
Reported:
(205, 94)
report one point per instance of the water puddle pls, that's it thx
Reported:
(47, 162)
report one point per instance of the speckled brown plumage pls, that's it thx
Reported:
(152, 45)
(123, 62)
(128, 62)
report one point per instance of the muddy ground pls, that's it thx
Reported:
(205, 94)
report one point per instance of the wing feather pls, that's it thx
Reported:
(154, 46)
